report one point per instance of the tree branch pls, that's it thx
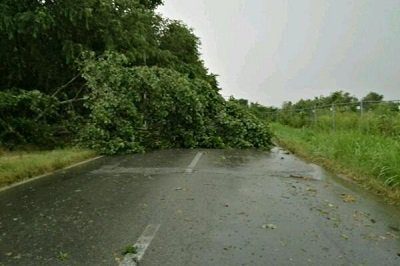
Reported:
(65, 85)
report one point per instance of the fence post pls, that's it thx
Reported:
(361, 108)
(315, 116)
(333, 117)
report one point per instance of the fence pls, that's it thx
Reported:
(372, 117)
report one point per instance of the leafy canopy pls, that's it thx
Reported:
(111, 75)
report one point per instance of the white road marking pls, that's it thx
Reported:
(47, 174)
(193, 164)
(141, 245)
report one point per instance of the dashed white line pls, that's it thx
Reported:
(193, 164)
(141, 245)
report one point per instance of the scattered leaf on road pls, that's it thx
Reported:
(178, 188)
(129, 250)
(348, 198)
(345, 236)
(63, 256)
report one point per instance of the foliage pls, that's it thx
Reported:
(242, 129)
(113, 74)
(263, 112)
(26, 117)
(41, 40)
(377, 117)
(138, 108)
(344, 137)
(374, 160)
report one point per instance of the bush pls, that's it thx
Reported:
(241, 129)
(27, 117)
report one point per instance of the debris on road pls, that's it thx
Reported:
(345, 237)
(348, 198)
(130, 249)
(394, 228)
(178, 188)
(390, 235)
(375, 237)
(269, 226)
(63, 256)
(301, 177)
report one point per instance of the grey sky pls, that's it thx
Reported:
(270, 51)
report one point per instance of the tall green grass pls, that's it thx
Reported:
(381, 120)
(365, 156)
(16, 166)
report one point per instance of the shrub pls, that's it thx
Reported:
(27, 117)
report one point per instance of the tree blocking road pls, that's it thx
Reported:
(192, 207)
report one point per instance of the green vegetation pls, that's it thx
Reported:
(113, 76)
(16, 166)
(130, 249)
(137, 108)
(362, 143)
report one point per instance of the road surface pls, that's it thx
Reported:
(197, 207)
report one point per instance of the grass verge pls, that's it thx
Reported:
(373, 161)
(17, 166)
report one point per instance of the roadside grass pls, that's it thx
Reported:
(371, 160)
(17, 166)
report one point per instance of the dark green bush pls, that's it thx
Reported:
(26, 117)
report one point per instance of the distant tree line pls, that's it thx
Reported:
(339, 110)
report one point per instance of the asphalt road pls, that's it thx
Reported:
(211, 207)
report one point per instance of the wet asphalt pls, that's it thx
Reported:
(234, 207)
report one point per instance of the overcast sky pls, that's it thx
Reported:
(270, 51)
